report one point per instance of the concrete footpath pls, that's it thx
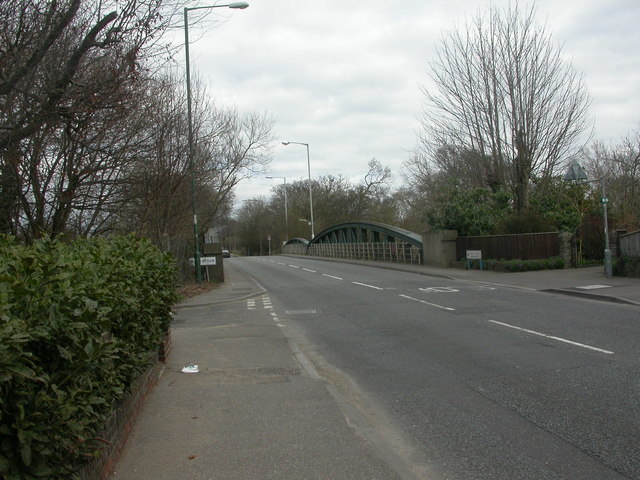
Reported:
(253, 412)
(257, 410)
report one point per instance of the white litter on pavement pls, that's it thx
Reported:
(190, 369)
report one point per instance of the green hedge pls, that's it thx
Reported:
(77, 324)
(627, 266)
(517, 265)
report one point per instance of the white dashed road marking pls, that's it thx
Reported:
(367, 285)
(332, 276)
(428, 303)
(551, 337)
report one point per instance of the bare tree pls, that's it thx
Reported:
(232, 146)
(619, 165)
(70, 76)
(163, 183)
(336, 200)
(500, 88)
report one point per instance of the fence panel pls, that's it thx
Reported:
(526, 246)
(630, 244)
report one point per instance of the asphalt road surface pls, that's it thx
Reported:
(464, 380)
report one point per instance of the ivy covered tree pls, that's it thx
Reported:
(471, 212)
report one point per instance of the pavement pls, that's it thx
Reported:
(257, 409)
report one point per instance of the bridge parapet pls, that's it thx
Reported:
(362, 240)
(379, 251)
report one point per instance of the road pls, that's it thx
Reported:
(464, 380)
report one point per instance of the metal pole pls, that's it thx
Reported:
(286, 214)
(607, 252)
(196, 241)
(313, 232)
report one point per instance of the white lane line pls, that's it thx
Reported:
(331, 276)
(559, 339)
(309, 270)
(281, 263)
(294, 266)
(367, 285)
(428, 303)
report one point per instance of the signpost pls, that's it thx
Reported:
(474, 255)
(204, 261)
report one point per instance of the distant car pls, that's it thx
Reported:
(225, 253)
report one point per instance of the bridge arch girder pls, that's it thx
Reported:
(366, 232)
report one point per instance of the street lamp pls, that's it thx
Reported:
(576, 173)
(196, 255)
(286, 215)
(313, 232)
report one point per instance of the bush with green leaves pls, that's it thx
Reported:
(516, 265)
(627, 266)
(78, 322)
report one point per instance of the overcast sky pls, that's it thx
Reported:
(344, 76)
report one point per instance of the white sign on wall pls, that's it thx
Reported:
(204, 261)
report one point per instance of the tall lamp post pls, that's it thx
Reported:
(190, 152)
(313, 232)
(286, 214)
(576, 173)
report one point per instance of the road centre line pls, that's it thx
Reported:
(427, 303)
(309, 270)
(559, 339)
(368, 286)
(332, 276)
(294, 266)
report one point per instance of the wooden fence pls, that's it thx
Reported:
(528, 246)
(630, 244)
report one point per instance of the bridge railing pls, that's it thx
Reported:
(383, 251)
(295, 249)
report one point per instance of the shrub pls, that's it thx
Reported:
(78, 323)
(525, 222)
(518, 265)
(627, 267)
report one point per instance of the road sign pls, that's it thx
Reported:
(604, 200)
(474, 254)
(204, 261)
(208, 261)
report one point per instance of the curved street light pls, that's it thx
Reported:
(313, 232)
(196, 247)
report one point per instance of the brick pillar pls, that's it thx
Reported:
(566, 247)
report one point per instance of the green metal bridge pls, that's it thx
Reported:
(363, 241)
